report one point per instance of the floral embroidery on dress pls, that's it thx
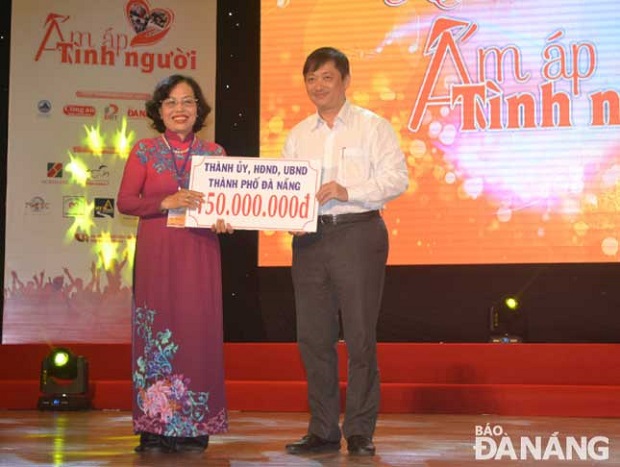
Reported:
(169, 407)
(219, 423)
(158, 153)
(209, 149)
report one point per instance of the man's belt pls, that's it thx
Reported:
(347, 218)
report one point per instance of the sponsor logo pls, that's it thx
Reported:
(99, 176)
(54, 170)
(54, 174)
(73, 206)
(104, 207)
(110, 112)
(37, 205)
(73, 110)
(44, 106)
(136, 113)
(83, 237)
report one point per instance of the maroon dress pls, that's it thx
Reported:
(177, 344)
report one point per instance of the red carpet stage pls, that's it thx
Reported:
(580, 380)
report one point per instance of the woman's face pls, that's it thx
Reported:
(178, 111)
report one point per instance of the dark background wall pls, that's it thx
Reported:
(562, 302)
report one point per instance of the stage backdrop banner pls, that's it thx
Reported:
(507, 111)
(80, 73)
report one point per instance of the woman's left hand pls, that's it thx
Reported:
(221, 227)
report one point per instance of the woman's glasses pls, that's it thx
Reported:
(186, 102)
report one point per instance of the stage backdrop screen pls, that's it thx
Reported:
(80, 73)
(507, 112)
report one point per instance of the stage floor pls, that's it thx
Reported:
(104, 438)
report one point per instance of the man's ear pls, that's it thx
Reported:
(347, 81)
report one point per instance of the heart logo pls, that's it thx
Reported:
(149, 25)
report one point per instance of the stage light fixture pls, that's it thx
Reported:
(511, 303)
(64, 381)
(508, 321)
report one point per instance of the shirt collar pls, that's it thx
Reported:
(342, 118)
(172, 136)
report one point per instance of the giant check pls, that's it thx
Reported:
(252, 193)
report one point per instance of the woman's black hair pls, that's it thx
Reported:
(162, 91)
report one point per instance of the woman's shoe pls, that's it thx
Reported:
(150, 442)
(169, 443)
(192, 444)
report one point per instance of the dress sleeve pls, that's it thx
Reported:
(130, 199)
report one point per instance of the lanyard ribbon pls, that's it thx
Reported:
(180, 172)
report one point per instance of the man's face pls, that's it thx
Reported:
(326, 88)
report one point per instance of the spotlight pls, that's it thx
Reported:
(508, 321)
(64, 381)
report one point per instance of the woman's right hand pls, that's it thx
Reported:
(183, 199)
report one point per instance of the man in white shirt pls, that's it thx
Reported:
(341, 267)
